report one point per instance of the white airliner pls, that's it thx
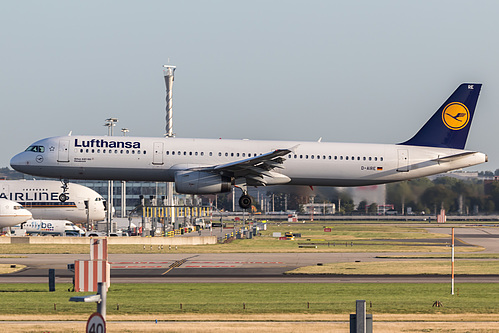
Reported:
(12, 213)
(47, 227)
(43, 199)
(203, 166)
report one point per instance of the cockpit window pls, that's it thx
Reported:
(36, 149)
(18, 207)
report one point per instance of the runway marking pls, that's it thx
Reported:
(192, 264)
(140, 262)
(128, 266)
(177, 263)
(217, 266)
(237, 262)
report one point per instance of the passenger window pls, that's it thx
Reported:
(375, 158)
(381, 159)
(190, 153)
(370, 158)
(341, 157)
(312, 156)
(226, 154)
(167, 153)
(196, 153)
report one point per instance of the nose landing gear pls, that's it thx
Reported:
(64, 195)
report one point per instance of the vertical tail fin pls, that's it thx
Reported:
(449, 126)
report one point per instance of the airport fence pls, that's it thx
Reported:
(245, 307)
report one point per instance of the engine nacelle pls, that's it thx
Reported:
(201, 182)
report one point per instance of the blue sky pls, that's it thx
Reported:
(349, 71)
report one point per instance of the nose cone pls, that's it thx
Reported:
(23, 215)
(20, 162)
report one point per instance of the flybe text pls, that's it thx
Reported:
(27, 196)
(42, 226)
(101, 143)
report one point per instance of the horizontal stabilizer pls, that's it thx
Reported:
(454, 157)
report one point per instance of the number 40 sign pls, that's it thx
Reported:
(96, 324)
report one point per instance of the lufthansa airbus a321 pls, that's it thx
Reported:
(208, 166)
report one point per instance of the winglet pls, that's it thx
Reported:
(450, 125)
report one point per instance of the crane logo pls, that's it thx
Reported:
(455, 116)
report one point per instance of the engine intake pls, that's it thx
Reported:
(201, 182)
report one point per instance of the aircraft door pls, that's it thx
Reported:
(157, 153)
(403, 160)
(63, 151)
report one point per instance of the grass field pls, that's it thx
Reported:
(278, 307)
(403, 267)
(136, 299)
(344, 237)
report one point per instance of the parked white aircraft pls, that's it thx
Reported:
(47, 227)
(43, 199)
(12, 213)
(202, 166)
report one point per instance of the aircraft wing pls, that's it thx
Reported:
(257, 170)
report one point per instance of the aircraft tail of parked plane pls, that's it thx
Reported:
(208, 166)
(450, 125)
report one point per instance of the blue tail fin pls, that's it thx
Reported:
(449, 126)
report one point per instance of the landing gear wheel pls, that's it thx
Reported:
(245, 201)
(63, 197)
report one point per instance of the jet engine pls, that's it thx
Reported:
(201, 182)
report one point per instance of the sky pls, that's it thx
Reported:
(346, 71)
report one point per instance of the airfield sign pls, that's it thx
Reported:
(96, 324)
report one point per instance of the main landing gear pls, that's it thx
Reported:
(64, 195)
(245, 200)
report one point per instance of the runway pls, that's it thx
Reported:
(241, 267)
